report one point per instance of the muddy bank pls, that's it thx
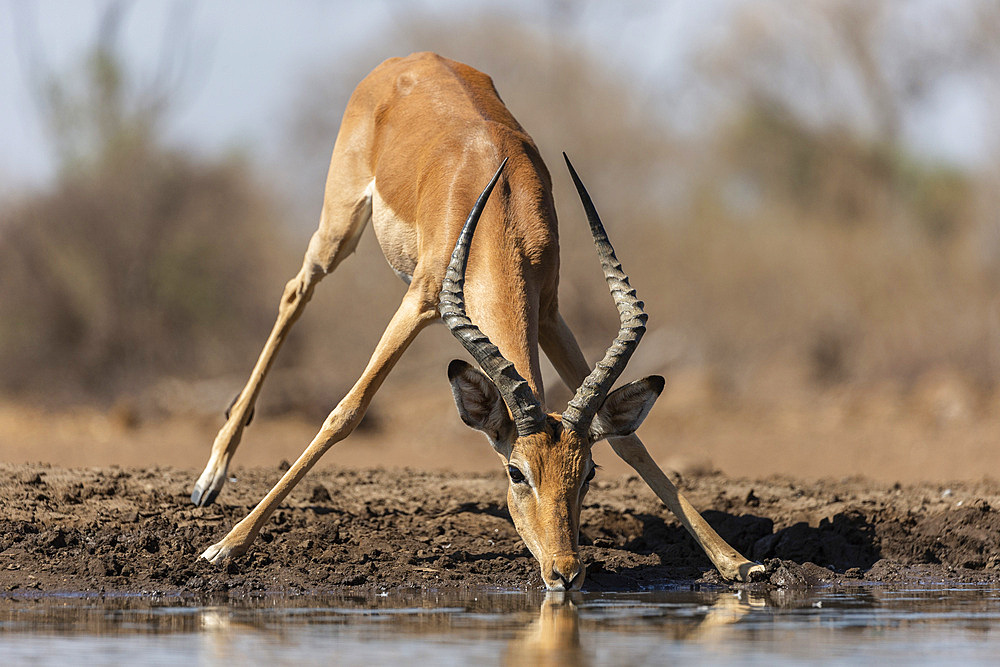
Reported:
(133, 530)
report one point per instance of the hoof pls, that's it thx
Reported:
(208, 486)
(203, 497)
(751, 572)
(216, 553)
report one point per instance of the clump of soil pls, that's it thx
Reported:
(134, 530)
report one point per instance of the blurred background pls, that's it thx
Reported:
(804, 194)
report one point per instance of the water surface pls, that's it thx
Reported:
(933, 624)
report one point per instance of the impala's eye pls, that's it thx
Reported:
(516, 476)
(590, 475)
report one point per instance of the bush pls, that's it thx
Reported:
(139, 260)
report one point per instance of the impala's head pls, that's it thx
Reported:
(547, 456)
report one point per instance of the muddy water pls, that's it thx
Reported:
(933, 624)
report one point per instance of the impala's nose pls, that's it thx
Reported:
(567, 573)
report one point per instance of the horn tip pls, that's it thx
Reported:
(569, 164)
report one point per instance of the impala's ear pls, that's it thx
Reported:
(625, 408)
(479, 403)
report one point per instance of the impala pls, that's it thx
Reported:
(420, 137)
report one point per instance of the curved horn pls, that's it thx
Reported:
(581, 409)
(524, 407)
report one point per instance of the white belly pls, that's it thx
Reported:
(397, 237)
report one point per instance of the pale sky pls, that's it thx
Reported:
(249, 57)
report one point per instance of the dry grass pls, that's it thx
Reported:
(774, 259)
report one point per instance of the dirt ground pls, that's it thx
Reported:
(860, 482)
(117, 529)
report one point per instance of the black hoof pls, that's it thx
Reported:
(203, 498)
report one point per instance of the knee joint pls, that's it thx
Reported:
(344, 419)
(299, 287)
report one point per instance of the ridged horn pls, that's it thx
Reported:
(581, 409)
(515, 391)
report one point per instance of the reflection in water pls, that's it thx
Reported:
(523, 628)
(728, 609)
(553, 638)
(221, 631)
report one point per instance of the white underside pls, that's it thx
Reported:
(397, 237)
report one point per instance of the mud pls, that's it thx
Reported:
(128, 530)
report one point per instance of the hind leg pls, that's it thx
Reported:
(563, 351)
(346, 210)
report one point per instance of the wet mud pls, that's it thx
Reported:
(129, 530)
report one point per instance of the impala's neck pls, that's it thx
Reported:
(513, 273)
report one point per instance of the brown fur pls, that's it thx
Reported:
(420, 137)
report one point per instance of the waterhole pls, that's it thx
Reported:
(932, 624)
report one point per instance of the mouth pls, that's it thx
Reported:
(566, 578)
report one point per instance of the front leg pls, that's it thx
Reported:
(563, 351)
(730, 563)
(416, 312)
(294, 299)
(338, 426)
